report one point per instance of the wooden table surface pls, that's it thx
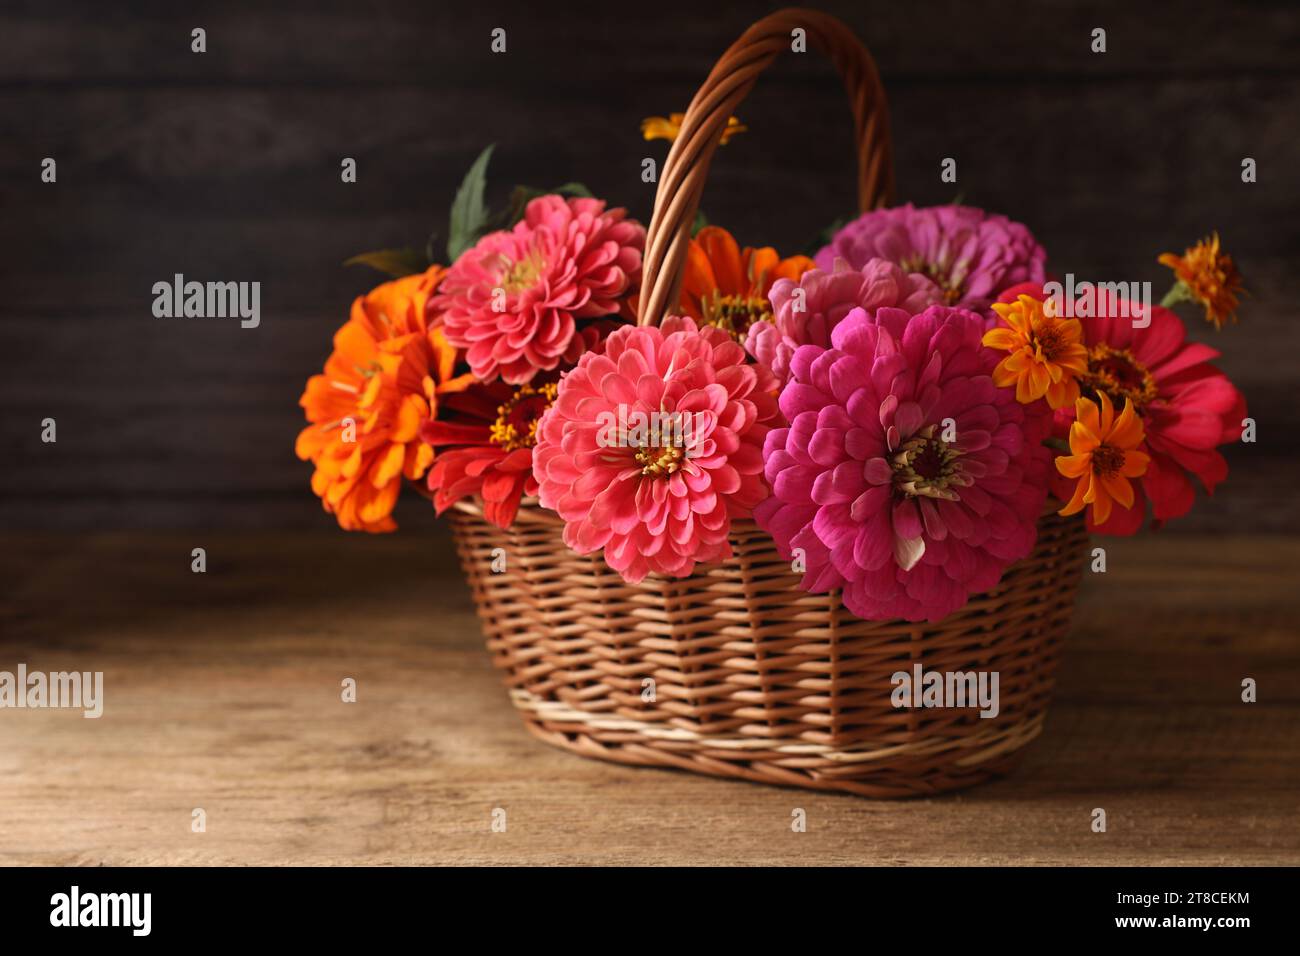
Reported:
(222, 691)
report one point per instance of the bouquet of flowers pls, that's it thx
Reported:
(895, 410)
(711, 499)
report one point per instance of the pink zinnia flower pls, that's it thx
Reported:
(662, 498)
(1187, 406)
(906, 476)
(970, 254)
(805, 312)
(513, 300)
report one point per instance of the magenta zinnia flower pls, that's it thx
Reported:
(513, 301)
(805, 312)
(970, 254)
(654, 445)
(906, 476)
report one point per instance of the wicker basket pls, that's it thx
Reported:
(736, 671)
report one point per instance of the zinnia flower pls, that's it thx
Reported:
(728, 287)
(806, 311)
(383, 380)
(1208, 276)
(670, 127)
(484, 439)
(654, 445)
(970, 254)
(1047, 353)
(907, 478)
(514, 300)
(1103, 457)
(1187, 406)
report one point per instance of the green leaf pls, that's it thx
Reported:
(522, 195)
(699, 223)
(469, 214)
(392, 262)
(823, 238)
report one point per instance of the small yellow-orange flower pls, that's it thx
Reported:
(1103, 457)
(727, 286)
(1206, 275)
(1047, 352)
(669, 127)
(380, 385)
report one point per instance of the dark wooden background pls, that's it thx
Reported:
(226, 166)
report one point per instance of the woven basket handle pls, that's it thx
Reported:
(728, 84)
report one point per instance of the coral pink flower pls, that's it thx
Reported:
(514, 300)
(1187, 406)
(906, 476)
(653, 447)
(805, 312)
(970, 254)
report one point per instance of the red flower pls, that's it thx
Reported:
(1187, 406)
(483, 445)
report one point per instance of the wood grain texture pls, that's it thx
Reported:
(226, 165)
(222, 692)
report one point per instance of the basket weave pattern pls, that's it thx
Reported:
(736, 671)
(752, 677)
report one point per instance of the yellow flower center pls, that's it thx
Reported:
(734, 314)
(1117, 373)
(516, 424)
(659, 461)
(522, 274)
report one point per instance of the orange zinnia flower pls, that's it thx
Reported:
(380, 385)
(1047, 352)
(1208, 276)
(1104, 457)
(670, 127)
(726, 286)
